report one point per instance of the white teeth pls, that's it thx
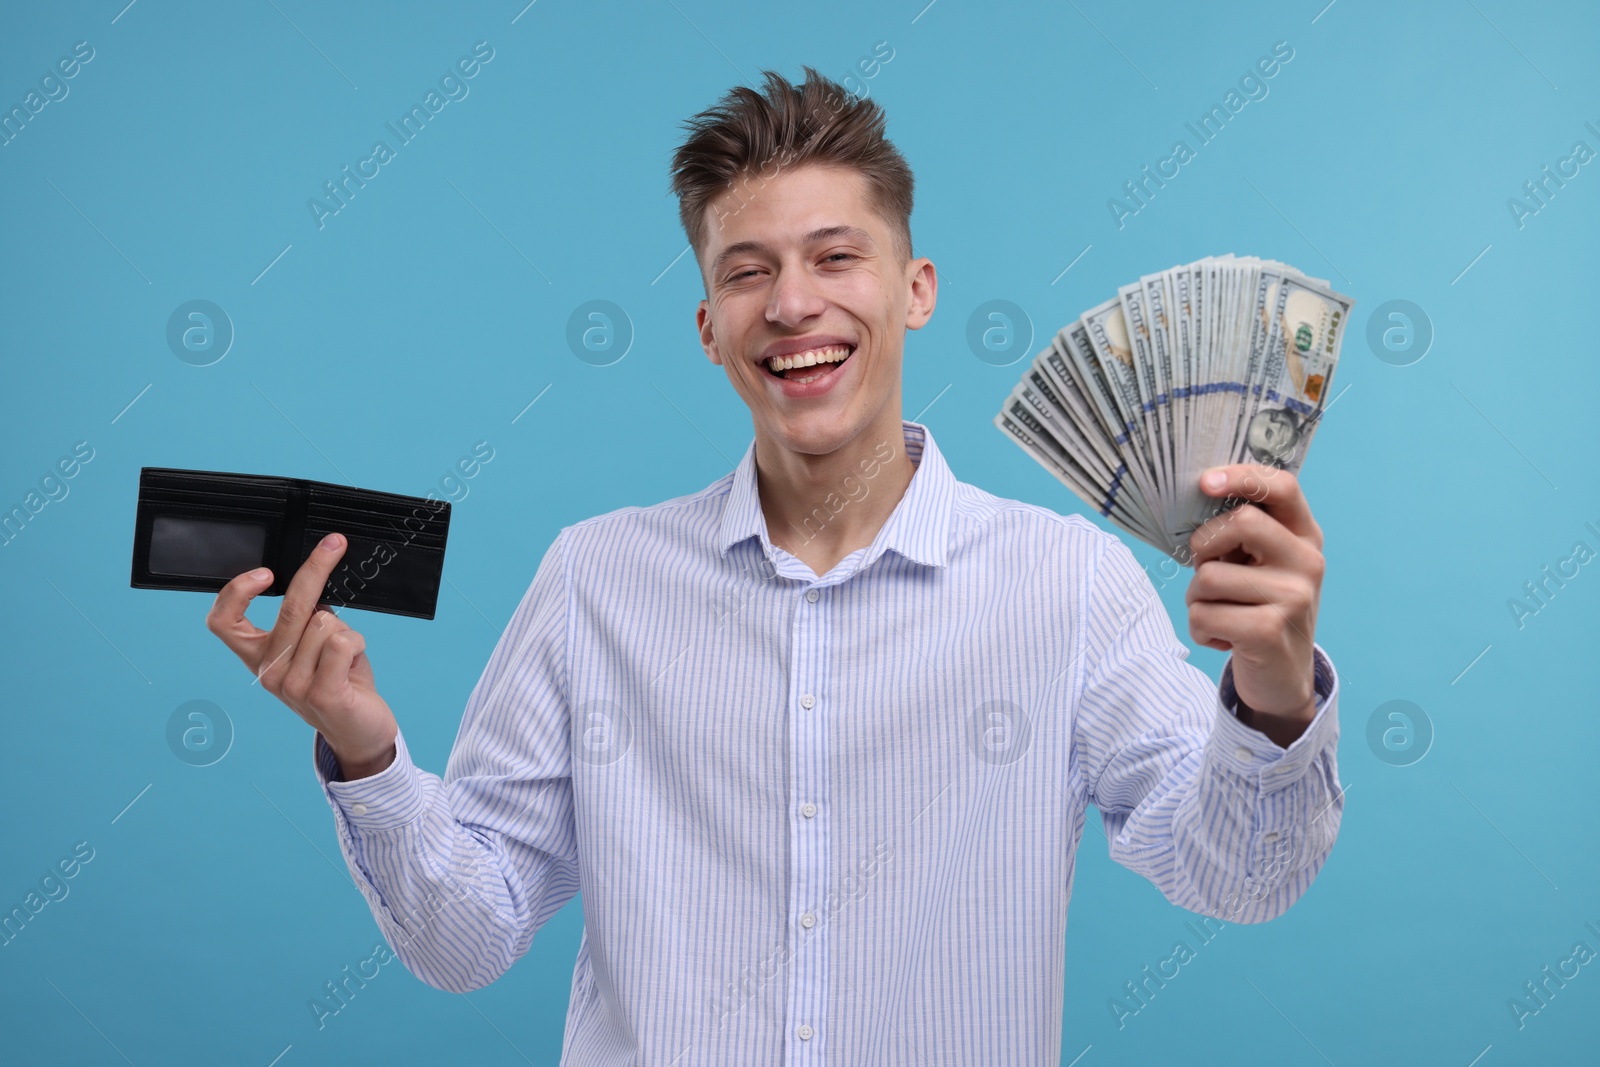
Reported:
(809, 358)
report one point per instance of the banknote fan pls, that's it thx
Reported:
(1225, 360)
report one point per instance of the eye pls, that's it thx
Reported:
(837, 255)
(741, 274)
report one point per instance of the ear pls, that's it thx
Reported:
(708, 337)
(923, 281)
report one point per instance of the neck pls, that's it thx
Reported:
(819, 509)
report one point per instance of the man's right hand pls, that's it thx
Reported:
(312, 661)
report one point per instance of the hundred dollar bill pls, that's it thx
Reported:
(1107, 490)
(1110, 354)
(1034, 441)
(1225, 360)
(1041, 395)
(1308, 323)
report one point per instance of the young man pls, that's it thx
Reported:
(816, 742)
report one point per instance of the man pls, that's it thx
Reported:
(816, 742)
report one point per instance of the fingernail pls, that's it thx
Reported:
(1215, 478)
(260, 574)
(331, 542)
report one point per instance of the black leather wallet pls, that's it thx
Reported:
(198, 530)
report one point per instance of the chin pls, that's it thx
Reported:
(812, 439)
(817, 433)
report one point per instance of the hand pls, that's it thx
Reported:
(312, 661)
(1257, 581)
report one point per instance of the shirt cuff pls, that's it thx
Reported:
(1246, 750)
(382, 801)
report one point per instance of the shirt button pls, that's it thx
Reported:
(805, 1032)
(808, 920)
(1243, 752)
(807, 701)
(808, 810)
(358, 808)
(812, 594)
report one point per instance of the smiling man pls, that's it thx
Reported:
(810, 293)
(817, 742)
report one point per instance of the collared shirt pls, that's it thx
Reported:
(828, 820)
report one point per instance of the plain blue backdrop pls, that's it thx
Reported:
(427, 314)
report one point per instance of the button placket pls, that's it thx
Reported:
(808, 741)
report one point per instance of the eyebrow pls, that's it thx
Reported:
(826, 233)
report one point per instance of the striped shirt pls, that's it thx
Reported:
(828, 820)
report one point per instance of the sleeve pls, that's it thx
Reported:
(461, 872)
(1222, 820)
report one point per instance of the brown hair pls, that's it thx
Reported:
(751, 137)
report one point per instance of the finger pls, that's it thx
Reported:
(1247, 534)
(1275, 490)
(301, 665)
(1273, 618)
(339, 653)
(226, 615)
(1218, 581)
(300, 599)
(1223, 626)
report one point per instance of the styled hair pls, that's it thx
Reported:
(748, 138)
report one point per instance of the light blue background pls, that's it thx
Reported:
(380, 348)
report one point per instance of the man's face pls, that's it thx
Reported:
(1273, 436)
(803, 264)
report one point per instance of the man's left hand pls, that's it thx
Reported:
(1257, 581)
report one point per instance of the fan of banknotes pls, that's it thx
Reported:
(1226, 360)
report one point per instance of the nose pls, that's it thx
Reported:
(795, 297)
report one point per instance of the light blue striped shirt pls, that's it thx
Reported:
(828, 820)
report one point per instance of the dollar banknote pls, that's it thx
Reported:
(1226, 360)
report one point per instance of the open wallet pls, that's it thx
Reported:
(198, 530)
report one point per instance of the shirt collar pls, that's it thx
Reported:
(919, 528)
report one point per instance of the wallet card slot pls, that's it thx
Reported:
(315, 530)
(210, 481)
(377, 531)
(259, 512)
(159, 495)
(416, 512)
(364, 497)
(376, 574)
(422, 509)
(338, 518)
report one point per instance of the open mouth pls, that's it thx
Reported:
(809, 365)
